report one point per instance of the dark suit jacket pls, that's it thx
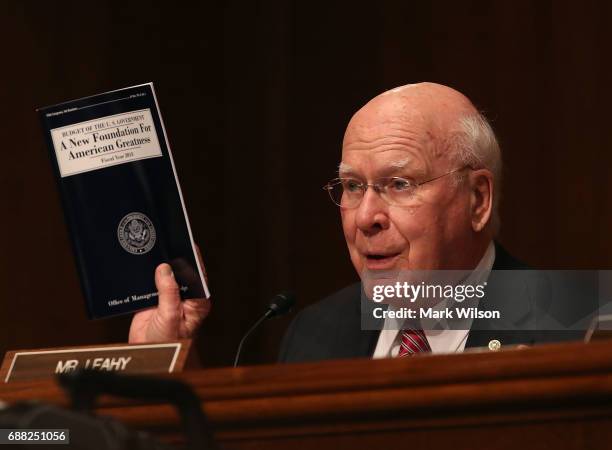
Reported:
(331, 328)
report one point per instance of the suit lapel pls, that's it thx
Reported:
(484, 331)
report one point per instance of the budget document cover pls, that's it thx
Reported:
(122, 199)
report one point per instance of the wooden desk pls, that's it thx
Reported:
(556, 396)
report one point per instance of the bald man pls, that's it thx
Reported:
(419, 133)
(418, 189)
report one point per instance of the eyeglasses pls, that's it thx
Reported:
(396, 191)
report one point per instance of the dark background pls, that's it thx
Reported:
(255, 96)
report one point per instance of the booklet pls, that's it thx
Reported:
(122, 200)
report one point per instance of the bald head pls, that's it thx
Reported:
(440, 120)
(433, 109)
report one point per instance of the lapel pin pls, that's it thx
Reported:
(494, 345)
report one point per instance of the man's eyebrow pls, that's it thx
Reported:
(401, 163)
(392, 167)
(406, 163)
(344, 168)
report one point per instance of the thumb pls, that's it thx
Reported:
(169, 293)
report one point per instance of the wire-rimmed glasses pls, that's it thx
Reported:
(396, 191)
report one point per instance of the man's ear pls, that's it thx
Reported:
(481, 198)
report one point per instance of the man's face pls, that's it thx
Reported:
(428, 233)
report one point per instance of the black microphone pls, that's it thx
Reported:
(280, 304)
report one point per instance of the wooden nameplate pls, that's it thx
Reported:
(27, 365)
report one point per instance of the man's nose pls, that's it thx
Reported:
(372, 212)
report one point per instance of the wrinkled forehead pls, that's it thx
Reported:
(376, 164)
(388, 146)
(393, 132)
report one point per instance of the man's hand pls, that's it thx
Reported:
(172, 319)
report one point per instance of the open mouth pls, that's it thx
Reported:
(378, 257)
(380, 261)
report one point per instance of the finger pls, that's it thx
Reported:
(195, 311)
(197, 308)
(138, 327)
(168, 290)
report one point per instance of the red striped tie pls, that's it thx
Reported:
(413, 341)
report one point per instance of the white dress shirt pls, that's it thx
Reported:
(440, 341)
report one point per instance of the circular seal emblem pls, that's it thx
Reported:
(136, 233)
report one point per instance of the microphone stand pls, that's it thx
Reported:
(263, 318)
